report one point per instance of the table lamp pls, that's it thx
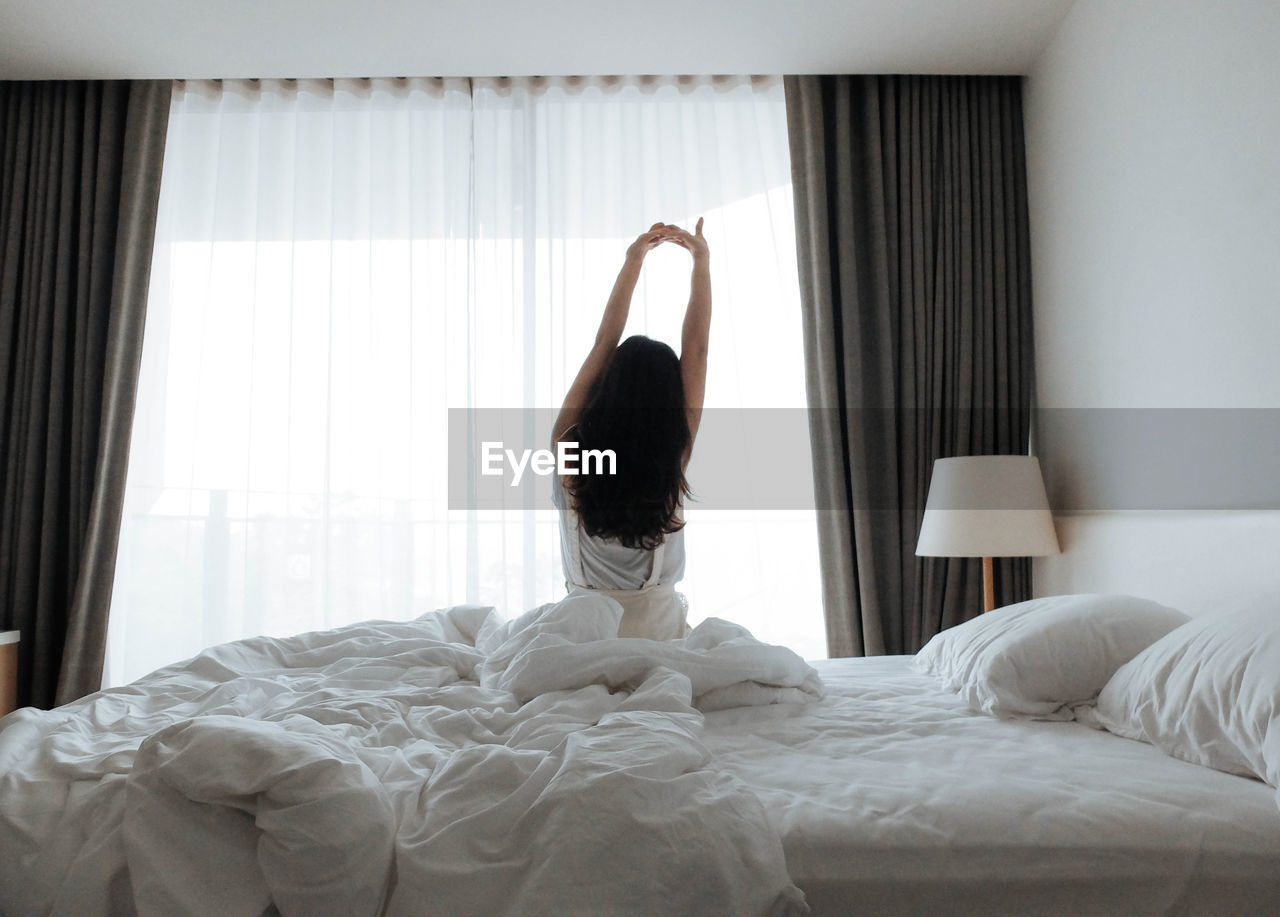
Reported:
(987, 506)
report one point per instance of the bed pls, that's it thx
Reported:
(892, 797)
(462, 764)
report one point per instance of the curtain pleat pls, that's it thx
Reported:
(911, 226)
(78, 194)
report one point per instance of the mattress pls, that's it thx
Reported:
(892, 798)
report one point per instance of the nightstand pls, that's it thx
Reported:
(8, 670)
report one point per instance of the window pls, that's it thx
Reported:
(338, 263)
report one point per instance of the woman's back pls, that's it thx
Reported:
(606, 563)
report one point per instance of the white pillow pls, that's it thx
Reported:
(1035, 659)
(1208, 693)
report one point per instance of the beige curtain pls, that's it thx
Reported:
(911, 225)
(79, 182)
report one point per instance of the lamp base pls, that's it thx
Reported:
(988, 585)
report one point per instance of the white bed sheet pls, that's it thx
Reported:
(453, 765)
(892, 798)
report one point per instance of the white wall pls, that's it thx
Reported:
(1153, 142)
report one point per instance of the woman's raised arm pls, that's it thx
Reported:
(612, 324)
(697, 327)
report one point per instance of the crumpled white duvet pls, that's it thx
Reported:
(456, 764)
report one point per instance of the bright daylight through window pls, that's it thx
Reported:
(338, 264)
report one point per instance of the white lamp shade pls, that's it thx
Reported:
(987, 506)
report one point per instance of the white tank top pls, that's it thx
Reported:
(604, 563)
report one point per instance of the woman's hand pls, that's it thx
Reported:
(695, 242)
(646, 241)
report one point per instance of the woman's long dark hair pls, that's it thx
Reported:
(636, 409)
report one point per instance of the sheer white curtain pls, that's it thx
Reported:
(339, 262)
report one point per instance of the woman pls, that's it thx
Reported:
(621, 534)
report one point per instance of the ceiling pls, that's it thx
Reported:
(104, 39)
